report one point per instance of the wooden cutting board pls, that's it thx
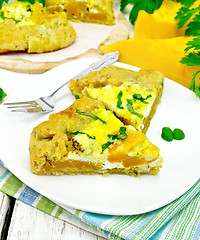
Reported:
(36, 64)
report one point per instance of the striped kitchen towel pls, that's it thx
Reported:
(179, 219)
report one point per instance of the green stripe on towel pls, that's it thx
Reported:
(11, 186)
(46, 205)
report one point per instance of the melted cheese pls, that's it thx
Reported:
(108, 95)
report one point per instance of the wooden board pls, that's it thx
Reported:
(29, 223)
(119, 32)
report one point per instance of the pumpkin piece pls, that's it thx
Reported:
(163, 55)
(162, 23)
(140, 147)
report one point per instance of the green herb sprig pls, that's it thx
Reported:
(147, 5)
(90, 115)
(2, 95)
(78, 132)
(184, 14)
(186, 3)
(3, 1)
(122, 135)
(3, 17)
(139, 97)
(193, 85)
(193, 57)
(77, 96)
(119, 102)
(131, 110)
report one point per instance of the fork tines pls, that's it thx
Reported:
(28, 106)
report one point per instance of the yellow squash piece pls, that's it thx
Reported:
(163, 55)
(162, 23)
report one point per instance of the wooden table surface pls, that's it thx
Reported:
(19, 221)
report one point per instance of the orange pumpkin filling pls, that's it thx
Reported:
(118, 153)
(72, 164)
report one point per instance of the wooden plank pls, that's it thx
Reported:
(6, 207)
(29, 223)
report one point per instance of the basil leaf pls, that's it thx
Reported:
(106, 145)
(139, 97)
(2, 95)
(91, 115)
(167, 134)
(131, 110)
(122, 136)
(119, 102)
(178, 134)
(78, 132)
(77, 96)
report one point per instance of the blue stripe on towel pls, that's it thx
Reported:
(197, 232)
(158, 234)
(28, 195)
(1, 163)
(96, 219)
(4, 174)
(141, 225)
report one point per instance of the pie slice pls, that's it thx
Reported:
(30, 27)
(132, 96)
(92, 11)
(88, 139)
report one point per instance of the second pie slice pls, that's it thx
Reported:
(86, 138)
(132, 96)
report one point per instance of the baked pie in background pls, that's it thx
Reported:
(32, 28)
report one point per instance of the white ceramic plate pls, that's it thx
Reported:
(115, 194)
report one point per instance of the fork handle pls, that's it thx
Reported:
(107, 60)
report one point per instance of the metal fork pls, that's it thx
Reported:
(47, 104)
